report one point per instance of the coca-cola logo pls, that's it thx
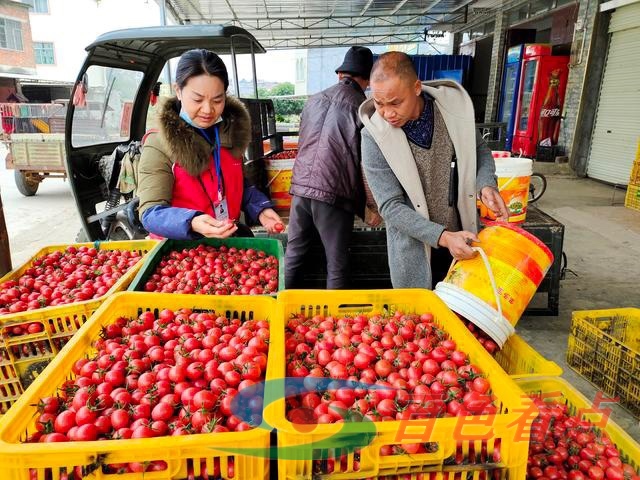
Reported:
(550, 112)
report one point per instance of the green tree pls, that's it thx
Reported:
(285, 88)
(285, 106)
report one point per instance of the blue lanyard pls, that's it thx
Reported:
(216, 161)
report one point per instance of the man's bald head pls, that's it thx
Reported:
(394, 64)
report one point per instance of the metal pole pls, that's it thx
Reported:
(234, 67)
(255, 75)
(163, 22)
(5, 253)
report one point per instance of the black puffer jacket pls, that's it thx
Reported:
(327, 167)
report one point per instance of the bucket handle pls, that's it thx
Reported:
(492, 278)
(274, 177)
(506, 184)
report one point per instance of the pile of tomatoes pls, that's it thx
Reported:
(215, 271)
(181, 373)
(284, 155)
(563, 446)
(485, 340)
(415, 369)
(62, 277)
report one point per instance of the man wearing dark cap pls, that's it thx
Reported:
(327, 183)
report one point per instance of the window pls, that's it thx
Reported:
(44, 53)
(10, 34)
(489, 28)
(106, 118)
(300, 70)
(539, 6)
(38, 6)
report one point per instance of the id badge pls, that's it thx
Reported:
(221, 209)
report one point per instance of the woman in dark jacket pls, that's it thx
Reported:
(190, 180)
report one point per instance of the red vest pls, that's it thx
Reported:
(188, 191)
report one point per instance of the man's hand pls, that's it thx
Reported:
(371, 218)
(492, 199)
(459, 244)
(211, 228)
(269, 219)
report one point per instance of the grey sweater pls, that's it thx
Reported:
(434, 170)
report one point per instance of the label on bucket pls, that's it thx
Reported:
(279, 180)
(515, 193)
(514, 288)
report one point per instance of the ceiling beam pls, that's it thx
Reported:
(196, 10)
(331, 25)
(398, 7)
(366, 7)
(433, 4)
(333, 9)
(172, 10)
(233, 12)
(403, 16)
(311, 38)
(326, 43)
(342, 33)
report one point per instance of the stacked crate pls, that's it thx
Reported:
(30, 340)
(632, 199)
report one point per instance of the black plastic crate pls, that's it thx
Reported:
(548, 154)
(369, 267)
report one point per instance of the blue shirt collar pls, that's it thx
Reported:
(420, 130)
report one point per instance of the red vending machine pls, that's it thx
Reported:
(542, 87)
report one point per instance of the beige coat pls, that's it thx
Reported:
(393, 177)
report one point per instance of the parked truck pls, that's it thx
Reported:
(34, 136)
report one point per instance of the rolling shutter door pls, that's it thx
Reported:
(617, 124)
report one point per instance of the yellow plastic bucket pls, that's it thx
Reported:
(513, 175)
(279, 182)
(493, 289)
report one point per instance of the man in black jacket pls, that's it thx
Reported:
(327, 183)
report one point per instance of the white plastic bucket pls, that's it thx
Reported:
(279, 181)
(493, 288)
(472, 308)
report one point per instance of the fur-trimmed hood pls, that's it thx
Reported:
(189, 149)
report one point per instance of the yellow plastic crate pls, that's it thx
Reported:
(559, 390)
(22, 357)
(632, 199)
(493, 433)
(634, 179)
(604, 347)
(141, 246)
(519, 360)
(183, 454)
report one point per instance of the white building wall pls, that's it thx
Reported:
(71, 25)
(322, 62)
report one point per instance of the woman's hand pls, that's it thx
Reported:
(492, 199)
(209, 227)
(458, 244)
(269, 219)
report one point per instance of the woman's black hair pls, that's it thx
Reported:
(200, 61)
